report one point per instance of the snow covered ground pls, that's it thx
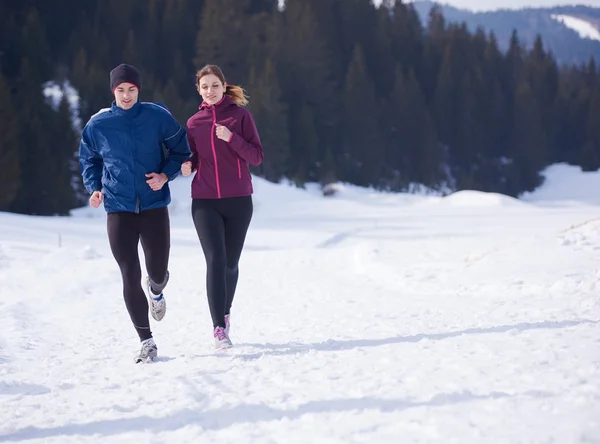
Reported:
(367, 317)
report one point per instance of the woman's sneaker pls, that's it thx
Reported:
(157, 303)
(227, 324)
(148, 351)
(221, 339)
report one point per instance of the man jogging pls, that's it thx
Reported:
(128, 154)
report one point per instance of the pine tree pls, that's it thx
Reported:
(496, 124)
(270, 115)
(447, 97)
(542, 74)
(364, 153)
(528, 142)
(61, 166)
(261, 6)
(34, 44)
(131, 54)
(512, 73)
(425, 155)
(381, 53)
(46, 166)
(573, 103)
(433, 53)
(223, 38)
(472, 140)
(303, 61)
(407, 36)
(395, 120)
(9, 148)
(10, 44)
(590, 154)
(305, 145)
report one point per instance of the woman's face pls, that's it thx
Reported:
(211, 89)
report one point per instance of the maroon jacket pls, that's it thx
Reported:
(222, 167)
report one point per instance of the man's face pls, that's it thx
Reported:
(126, 95)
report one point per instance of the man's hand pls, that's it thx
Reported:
(96, 199)
(156, 180)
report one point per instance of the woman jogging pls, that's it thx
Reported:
(127, 154)
(224, 140)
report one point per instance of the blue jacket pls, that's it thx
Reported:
(119, 147)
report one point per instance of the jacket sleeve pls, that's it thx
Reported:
(178, 148)
(90, 163)
(194, 158)
(248, 145)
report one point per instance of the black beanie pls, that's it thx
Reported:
(124, 73)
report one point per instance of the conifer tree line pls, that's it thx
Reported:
(340, 90)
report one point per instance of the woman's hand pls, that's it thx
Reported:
(186, 168)
(223, 132)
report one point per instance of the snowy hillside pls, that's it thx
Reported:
(367, 317)
(570, 33)
(583, 27)
(493, 5)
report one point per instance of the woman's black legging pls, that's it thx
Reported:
(222, 225)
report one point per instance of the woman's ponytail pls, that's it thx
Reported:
(237, 94)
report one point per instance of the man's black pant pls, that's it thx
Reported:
(125, 231)
(222, 225)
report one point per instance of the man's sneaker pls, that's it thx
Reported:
(148, 352)
(221, 339)
(157, 303)
(227, 325)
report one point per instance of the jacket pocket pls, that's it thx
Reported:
(239, 169)
(198, 170)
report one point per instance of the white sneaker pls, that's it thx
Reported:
(221, 339)
(148, 352)
(158, 304)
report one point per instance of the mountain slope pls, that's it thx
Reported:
(567, 44)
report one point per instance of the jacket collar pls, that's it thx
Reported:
(131, 112)
(226, 100)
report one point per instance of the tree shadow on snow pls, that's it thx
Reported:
(250, 413)
(337, 345)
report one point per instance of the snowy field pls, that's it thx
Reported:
(363, 318)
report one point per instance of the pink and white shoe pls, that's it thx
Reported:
(227, 324)
(221, 339)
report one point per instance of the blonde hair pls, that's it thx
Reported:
(237, 93)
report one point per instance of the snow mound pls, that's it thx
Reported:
(469, 198)
(370, 196)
